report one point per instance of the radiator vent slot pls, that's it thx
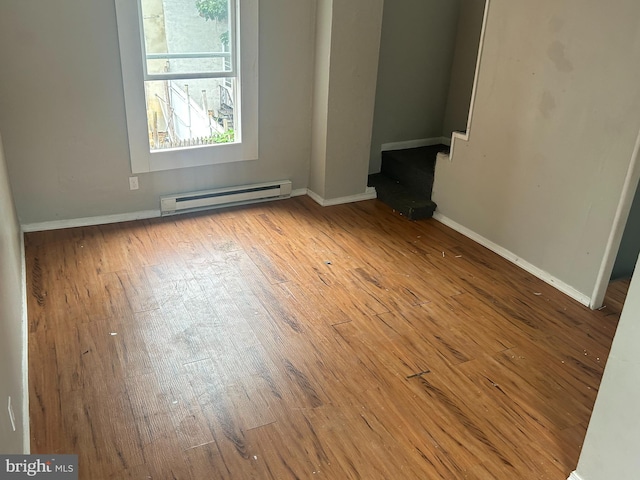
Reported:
(223, 197)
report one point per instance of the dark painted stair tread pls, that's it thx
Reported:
(413, 167)
(418, 157)
(411, 204)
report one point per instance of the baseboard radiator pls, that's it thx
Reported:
(224, 197)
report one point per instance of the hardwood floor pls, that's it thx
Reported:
(286, 340)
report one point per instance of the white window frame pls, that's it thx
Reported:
(245, 146)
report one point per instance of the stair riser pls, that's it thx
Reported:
(410, 204)
(414, 179)
(406, 180)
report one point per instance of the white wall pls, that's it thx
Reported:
(610, 450)
(556, 117)
(12, 328)
(63, 121)
(320, 113)
(416, 53)
(353, 63)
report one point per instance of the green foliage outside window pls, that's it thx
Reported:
(216, 10)
(225, 137)
(213, 9)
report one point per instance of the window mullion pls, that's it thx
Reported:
(184, 76)
(143, 45)
(235, 57)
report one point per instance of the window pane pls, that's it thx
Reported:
(187, 36)
(182, 113)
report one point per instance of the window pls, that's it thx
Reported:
(189, 70)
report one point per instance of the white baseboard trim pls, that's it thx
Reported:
(455, 137)
(369, 194)
(104, 219)
(26, 430)
(421, 142)
(574, 476)
(512, 257)
(89, 221)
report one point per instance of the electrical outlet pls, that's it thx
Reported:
(12, 416)
(133, 183)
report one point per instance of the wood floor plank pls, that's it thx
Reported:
(288, 340)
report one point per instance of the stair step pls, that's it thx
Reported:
(411, 204)
(413, 167)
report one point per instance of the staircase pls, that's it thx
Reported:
(406, 180)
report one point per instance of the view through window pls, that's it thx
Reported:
(190, 72)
